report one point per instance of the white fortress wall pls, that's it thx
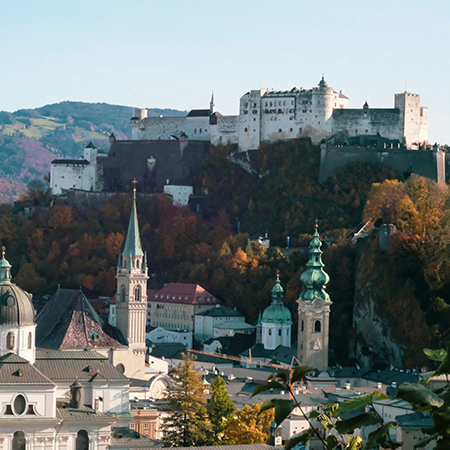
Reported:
(66, 176)
(366, 121)
(226, 130)
(423, 124)
(153, 128)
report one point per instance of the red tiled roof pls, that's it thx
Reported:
(184, 293)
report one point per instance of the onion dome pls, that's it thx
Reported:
(322, 82)
(314, 278)
(276, 312)
(16, 308)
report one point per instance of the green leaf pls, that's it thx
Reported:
(348, 426)
(325, 421)
(354, 442)
(426, 440)
(354, 404)
(378, 437)
(266, 405)
(444, 368)
(282, 375)
(380, 395)
(332, 442)
(266, 387)
(332, 408)
(282, 409)
(299, 373)
(302, 438)
(313, 414)
(435, 355)
(419, 396)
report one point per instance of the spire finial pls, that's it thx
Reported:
(134, 187)
(316, 224)
(3, 251)
(278, 274)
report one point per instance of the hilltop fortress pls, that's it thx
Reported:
(266, 115)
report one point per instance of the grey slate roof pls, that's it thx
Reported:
(92, 367)
(415, 421)
(68, 321)
(221, 311)
(167, 350)
(199, 113)
(17, 370)
(83, 413)
(124, 437)
(83, 162)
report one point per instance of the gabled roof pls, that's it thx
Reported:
(17, 370)
(199, 113)
(83, 162)
(90, 145)
(186, 294)
(68, 321)
(86, 366)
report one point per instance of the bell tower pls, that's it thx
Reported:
(314, 310)
(132, 291)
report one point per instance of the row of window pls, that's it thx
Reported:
(317, 326)
(280, 332)
(82, 441)
(280, 130)
(200, 130)
(11, 340)
(137, 294)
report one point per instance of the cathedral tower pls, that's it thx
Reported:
(314, 311)
(132, 294)
(276, 321)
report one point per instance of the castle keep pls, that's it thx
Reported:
(266, 115)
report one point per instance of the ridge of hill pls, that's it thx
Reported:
(31, 138)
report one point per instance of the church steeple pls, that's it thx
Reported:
(314, 310)
(132, 292)
(212, 106)
(133, 242)
(315, 278)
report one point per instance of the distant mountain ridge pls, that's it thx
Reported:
(31, 138)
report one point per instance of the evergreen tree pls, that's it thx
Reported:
(220, 408)
(186, 424)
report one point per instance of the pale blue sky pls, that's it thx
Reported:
(172, 54)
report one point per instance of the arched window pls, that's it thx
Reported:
(270, 331)
(303, 325)
(82, 442)
(137, 263)
(122, 294)
(279, 332)
(124, 263)
(30, 340)
(137, 294)
(18, 441)
(317, 326)
(10, 338)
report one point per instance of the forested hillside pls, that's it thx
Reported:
(31, 138)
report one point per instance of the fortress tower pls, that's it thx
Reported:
(314, 311)
(322, 106)
(413, 118)
(132, 298)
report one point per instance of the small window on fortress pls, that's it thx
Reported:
(254, 105)
(284, 103)
(300, 130)
(367, 131)
(270, 103)
(195, 130)
(245, 129)
(356, 130)
(280, 130)
(200, 130)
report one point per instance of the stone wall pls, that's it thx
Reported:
(427, 163)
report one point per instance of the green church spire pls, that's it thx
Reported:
(5, 269)
(276, 312)
(314, 278)
(133, 241)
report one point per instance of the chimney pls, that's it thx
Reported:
(75, 394)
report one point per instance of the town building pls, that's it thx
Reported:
(314, 310)
(175, 305)
(266, 115)
(161, 335)
(53, 398)
(220, 321)
(84, 173)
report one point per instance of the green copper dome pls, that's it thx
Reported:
(276, 312)
(314, 278)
